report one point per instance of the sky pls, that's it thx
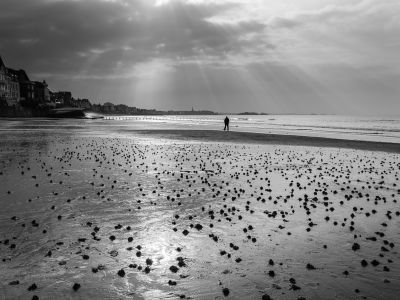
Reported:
(272, 56)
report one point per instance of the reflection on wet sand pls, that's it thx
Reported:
(94, 215)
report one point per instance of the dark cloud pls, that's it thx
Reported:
(100, 37)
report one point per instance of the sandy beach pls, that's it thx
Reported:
(187, 214)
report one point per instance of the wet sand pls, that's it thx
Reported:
(196, 215)
(275, 139)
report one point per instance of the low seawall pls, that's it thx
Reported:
(23, 112)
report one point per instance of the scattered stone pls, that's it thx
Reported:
(173, 269)
(364, 263)
(121, 273)
(355, 247)
(310, 267)
(170, 282)
(225, 291)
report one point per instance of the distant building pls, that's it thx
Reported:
(52, 97)
(85, 103)
(108, 107)
(81, 103)
(96, 108)
(42, 94)
(26, 87)
(3, 80)
(14, 90)
(46, 91)
(9, 86)
(61, 98)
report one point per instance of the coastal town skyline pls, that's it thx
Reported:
(22, 97)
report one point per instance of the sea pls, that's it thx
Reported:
(367, 128)
(364, 128)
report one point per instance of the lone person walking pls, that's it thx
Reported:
(226, 121)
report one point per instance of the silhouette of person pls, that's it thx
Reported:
(226, 121)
